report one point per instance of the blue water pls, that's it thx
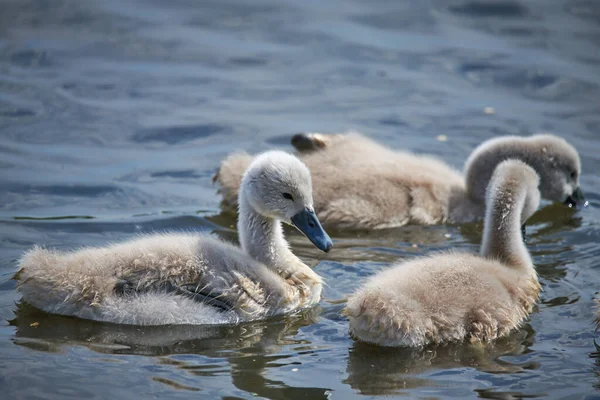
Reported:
(115, 114)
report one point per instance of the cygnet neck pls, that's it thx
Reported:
(480, 166)
(262, 237)
(502, 238)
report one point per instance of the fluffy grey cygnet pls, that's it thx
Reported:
(360, 184)
(176, 278)
(455, 296)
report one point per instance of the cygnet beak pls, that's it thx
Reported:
(576, 198)
(307, 222)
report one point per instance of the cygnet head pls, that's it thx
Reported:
(559, 167)
(278, 185)
(556, 162)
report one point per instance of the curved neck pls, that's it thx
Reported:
(502, 238)
(262, 238)
(483, 161)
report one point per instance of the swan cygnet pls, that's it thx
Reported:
(184, 278)
(456, 296)
(360, 184)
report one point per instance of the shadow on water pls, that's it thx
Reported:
(247, 374)
(555, 219)
(48, 332)
(377, 370)
(250, 349)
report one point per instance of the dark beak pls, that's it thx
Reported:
(575, 199)
(307, 222)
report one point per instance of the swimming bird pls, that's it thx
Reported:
(184, 278)
(454, 296)
(360, 184)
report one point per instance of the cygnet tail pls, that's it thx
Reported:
(44, 282)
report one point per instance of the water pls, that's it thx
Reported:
(114, 116)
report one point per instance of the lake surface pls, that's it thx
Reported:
(115, 114)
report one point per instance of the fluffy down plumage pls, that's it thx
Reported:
(456, 296)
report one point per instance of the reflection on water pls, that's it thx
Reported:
(248, 349)
(36, 328)
(115, 115)
(377, 371)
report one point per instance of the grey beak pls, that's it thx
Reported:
(307, 222)
(576, 198)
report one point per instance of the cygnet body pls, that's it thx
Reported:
(178, 278)
(456, 296)
(360, 184)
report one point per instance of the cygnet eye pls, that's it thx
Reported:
(288, 196)
(574, 175)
